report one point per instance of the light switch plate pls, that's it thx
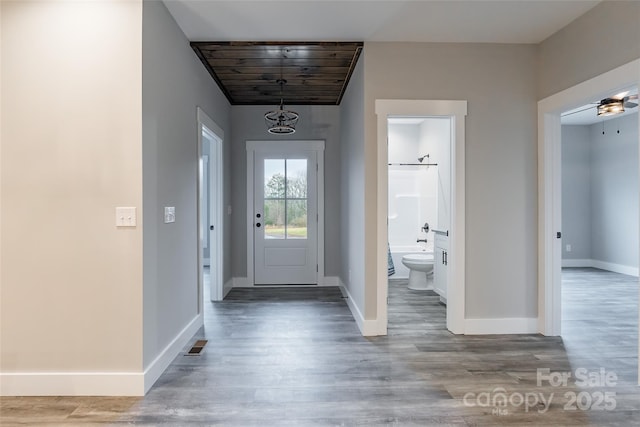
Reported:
(169, 214)
(125, 217)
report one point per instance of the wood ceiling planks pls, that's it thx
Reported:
(316, 73)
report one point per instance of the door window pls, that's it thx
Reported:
(285, 198)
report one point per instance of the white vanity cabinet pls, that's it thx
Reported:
(440, 260)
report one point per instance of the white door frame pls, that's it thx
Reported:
(205, 124)
(549, 183)
(457, 110)
(312, 145)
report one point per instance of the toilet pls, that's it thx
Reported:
(420, 267)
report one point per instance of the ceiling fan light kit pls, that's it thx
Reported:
(610, 107)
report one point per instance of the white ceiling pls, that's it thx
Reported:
(505, 21)
(586, 114)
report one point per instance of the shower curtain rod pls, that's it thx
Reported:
(412, 164)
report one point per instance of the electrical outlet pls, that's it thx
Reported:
(568, 248)
(169, 214)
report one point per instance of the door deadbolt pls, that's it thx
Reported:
(258, 215)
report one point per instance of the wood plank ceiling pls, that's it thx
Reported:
(316, 73)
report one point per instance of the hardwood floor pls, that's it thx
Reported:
(294, 357)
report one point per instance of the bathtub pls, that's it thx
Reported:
(397, 252)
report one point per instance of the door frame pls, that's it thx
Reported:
(550, 185)
(206, 124)
(457, 111)
(273, 146)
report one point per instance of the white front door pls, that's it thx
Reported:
(285, 217)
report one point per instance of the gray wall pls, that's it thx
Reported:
(602, 39)
(352, 192)
(501, 152)
(576, 192)
(174, 82)
(316, 122)
(614, 191)
(600, 191)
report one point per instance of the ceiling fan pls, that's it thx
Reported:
(610, 106)
(616, 104)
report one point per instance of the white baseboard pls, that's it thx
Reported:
(516, 325)
(241, 282)
(96, 383)
(228, 285)
(368, 328)
(330, 281)
(164, 359)
(72, 384)
(577, 263)
(602, 265)
(616, 268)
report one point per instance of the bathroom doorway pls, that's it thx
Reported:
(419, 203)
(418, 169)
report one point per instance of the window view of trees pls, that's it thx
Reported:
(285, 205)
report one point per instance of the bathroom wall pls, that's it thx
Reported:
(435, 140)
(600, 195)
(412, 190)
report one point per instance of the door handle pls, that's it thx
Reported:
(211, 227)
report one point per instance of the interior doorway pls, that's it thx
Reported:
(550, 183)
(419, 200)
(454, 112)
(210, 204)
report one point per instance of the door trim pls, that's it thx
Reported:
(457, 110)
(205, 123)
(549, 184)
(312, 145)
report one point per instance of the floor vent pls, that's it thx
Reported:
(197, 348)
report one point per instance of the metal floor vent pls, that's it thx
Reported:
(197, 348)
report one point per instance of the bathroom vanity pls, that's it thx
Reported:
(441, 254)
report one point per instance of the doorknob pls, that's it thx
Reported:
(258, 224)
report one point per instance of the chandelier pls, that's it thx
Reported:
(281, 121)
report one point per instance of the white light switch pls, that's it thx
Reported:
(125, 217)
(169, 214)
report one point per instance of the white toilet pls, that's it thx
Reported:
(420, 267)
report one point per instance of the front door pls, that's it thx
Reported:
(285, 223)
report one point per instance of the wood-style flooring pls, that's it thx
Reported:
(295, 357)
